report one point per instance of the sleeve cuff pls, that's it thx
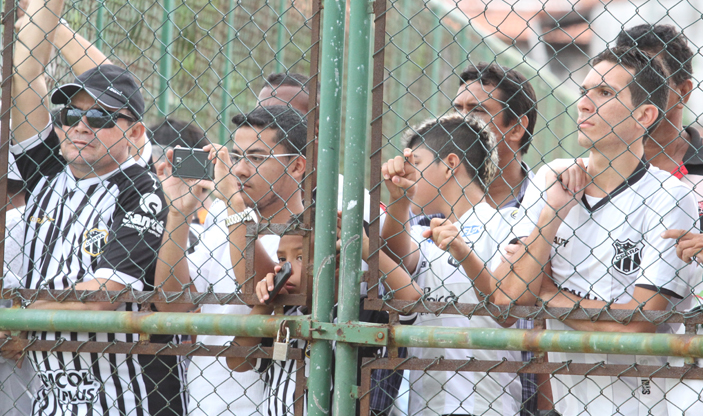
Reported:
(661, 290)
(119, 277)
(19, 148)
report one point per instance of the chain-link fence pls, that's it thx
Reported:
(474, 267)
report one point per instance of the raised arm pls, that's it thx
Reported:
(400, 177)
(31, 54)
(80, 54)
(172, 273)
(519, 280)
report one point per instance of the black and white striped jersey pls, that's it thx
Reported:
(280, 376)
(109, 228)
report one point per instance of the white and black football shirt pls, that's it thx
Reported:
(107, 227)
(443, 279)
(603, 250)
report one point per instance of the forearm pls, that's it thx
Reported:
(80, 54)
(398, 280)
(238, 247)
(562, 299)
(478, 272)
(93, 285)
(396, 233)
(242, 364)
(34, 38)
(172, 271)
(31, 54)
(520, 279)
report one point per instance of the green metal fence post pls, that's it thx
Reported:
(225, 103)
(99, 24)
(353, 202)
(281, 35)
(332, 58)
(165, 69)
(436, 64)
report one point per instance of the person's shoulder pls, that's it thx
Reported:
(137, 179)
(481, 216)
(663, 182)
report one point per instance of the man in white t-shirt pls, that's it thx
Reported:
(267, 168)
(596, 232)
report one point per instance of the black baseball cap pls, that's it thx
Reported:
(110, 85)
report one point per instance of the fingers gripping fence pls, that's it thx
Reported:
(493, 280)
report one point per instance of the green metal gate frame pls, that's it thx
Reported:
(348, 333)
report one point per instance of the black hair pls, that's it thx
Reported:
(287, 79)
(663, 42)
(172, 133)
(517, 94)
(465, 136)
(290, 125)
(648, 85)
(291, 79)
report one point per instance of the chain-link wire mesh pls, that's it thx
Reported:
(499, 275)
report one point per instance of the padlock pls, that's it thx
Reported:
(280, 349)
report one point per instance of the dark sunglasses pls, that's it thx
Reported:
(97, 117)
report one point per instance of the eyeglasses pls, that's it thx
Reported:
(97, 118)
(256, 159)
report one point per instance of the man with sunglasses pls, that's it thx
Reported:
(94, 221)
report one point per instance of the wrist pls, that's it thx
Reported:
(238, 217)
(235, 202)
(399, 210)
(176, 216)
(261, 310)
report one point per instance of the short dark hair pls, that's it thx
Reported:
(290, 79)
(664, 42)
(171, 133)
(648, 85)
(465, 136)
(517, 94)
(290, 125)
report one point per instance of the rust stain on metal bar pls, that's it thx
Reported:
(534, 312)
(310, 180)
(141, 297)
(8, 21)
(364, 388)
(379, 56)
(148, 348)
(597, 369)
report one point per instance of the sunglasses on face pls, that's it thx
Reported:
(96, 118)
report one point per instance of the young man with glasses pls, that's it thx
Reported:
(94, 221)
(261, 178)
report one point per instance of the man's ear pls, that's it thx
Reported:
(646, 115)
(514, 135)
(297, 169)
(136, 135)
(684, 91)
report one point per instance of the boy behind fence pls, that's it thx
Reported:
(280, 376)
(445, 168)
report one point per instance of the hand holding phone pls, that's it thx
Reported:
(279, 281)
(192, 164)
